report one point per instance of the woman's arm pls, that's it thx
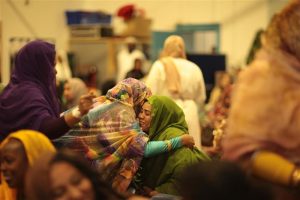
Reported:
(85, 104)
(56, 127)
(274, 168)
(154, 148)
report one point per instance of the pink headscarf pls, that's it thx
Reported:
(265, 109)
(264, 113)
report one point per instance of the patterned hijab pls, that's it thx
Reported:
(109, 136)
(30, 95)
(131, 92)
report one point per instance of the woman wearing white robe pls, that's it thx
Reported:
(182, 80)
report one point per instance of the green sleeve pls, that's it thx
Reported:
(169, 187)
(154, 148)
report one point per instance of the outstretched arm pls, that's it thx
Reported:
(154, 148)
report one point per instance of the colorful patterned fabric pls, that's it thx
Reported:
(130, 91)
(109, 135)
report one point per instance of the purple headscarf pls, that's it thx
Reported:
(30, 96)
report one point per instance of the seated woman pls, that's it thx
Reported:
(162, 119)
(74, 88)
(110, 136)
(19, 151)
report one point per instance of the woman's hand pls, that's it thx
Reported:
(86, 103)
(187, 141)
(149, 192)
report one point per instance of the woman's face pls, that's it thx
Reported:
(138, 64)
(225, 80)
(145, 117)
(68, 95)
(14, 163)
(67, 183)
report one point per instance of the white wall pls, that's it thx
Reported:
(239, 20)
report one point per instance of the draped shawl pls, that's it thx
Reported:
(109, 135)
(30, 96)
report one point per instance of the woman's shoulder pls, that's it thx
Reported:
(185, 62)
(186, 156)
(170, 133)
(23, 92)
(157, 63)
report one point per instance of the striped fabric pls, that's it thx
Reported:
(109, 136)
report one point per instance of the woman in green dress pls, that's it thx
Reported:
(162, 119)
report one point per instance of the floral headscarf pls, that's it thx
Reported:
(131, 92)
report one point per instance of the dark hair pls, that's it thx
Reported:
(107, 85)
(101, 188)
(218, 180)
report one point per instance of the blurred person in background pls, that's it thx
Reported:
(263, 125)
(136, 72)
(182, 80)
(74, 88)
(62, 67)
(127, 56)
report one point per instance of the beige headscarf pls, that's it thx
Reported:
(78, 88)
(174, 47)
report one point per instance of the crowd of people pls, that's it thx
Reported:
(142, 140)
